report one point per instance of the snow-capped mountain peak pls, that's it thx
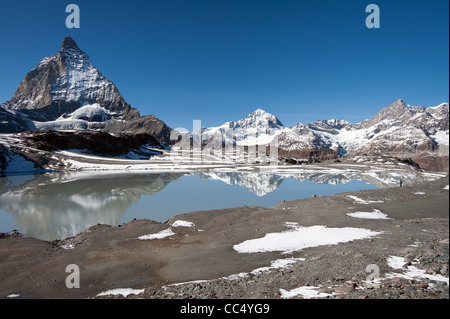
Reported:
(65, 82)
(259, 113)
(66, 91)
(260, 118)
(257, 127)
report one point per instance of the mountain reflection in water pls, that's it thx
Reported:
(54, 206)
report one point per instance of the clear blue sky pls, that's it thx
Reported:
(218, 60)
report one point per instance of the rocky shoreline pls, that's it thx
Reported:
(198, 259)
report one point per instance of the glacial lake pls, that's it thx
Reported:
(54, 206)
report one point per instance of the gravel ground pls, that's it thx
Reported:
(337, 273)
(409, 254)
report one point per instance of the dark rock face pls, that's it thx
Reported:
(31, 150)
(3, 161)
(145, 124)
(432, 162)
(95, 142)
(314, 155)
(69, 43)
(13, 123)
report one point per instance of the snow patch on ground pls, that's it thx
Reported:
(160, 235)
(299, 238)
(307, 292)
(276, 264)
(182, 223)
(411, 272)
(376, 214)
(363, 201)
(396, 262)
(121, 291)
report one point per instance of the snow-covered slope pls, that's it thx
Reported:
(80, 119)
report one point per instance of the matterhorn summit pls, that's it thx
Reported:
(61, 84)
(66, 91)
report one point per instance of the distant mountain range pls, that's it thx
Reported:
(399, 130)
(66, 92)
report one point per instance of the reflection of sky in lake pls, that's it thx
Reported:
(52, 206)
